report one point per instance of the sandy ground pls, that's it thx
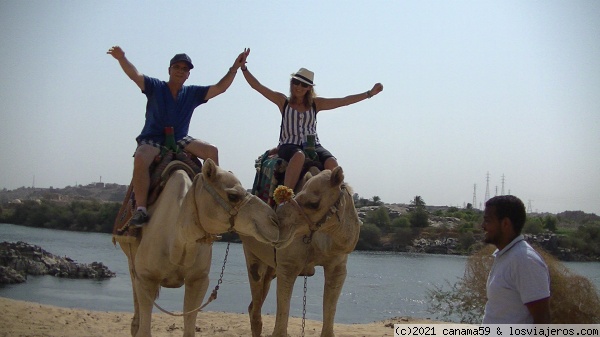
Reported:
(28, 319)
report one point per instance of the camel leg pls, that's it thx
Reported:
(135, 322)
(285, 286)
(334, 281)
(194, 293)
(260, 276)
(130, 249)
(146, 291)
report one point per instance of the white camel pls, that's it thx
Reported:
(325, 226)
(176, 246)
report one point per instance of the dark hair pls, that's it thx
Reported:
(509, 206)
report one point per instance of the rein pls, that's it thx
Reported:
(315, 226)
(233, 211)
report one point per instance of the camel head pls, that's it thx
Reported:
(217, 202)
(321, 196)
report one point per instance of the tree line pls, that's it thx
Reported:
(84, 216)
(380, 230)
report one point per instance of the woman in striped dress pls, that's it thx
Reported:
(299, 118)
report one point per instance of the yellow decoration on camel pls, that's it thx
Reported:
(282, 194)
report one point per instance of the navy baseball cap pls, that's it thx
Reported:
(184, 58)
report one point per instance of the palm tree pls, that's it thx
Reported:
(377, 200)
(418, 201)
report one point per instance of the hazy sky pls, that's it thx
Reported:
(506, 87)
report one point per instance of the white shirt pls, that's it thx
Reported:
(518, 276)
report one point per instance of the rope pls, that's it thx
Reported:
(212, 297)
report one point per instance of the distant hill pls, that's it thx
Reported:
(576, 218)
(116, 193)
(94, 191)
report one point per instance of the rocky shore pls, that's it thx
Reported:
(17, 260)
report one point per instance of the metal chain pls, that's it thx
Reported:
(213, 295)
(304, 305)
(222, 269)
(309, 240)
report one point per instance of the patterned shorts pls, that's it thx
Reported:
(182, 143)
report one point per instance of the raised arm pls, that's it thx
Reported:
(273, 96)
(127, 67)
(332, 103)
(226, 81)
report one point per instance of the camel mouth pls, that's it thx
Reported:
(266, 236)
(284, 241)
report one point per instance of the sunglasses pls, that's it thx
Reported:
(177, 67)
(296, 82)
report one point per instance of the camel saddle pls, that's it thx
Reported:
(270, 173)
(161, 169)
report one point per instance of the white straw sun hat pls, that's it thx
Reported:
(305, 76)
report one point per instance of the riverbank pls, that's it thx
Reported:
(21, 318)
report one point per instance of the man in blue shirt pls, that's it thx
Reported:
(170, 104)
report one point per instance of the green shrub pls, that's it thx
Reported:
(401, 222)
(370, 237)
(379, 217)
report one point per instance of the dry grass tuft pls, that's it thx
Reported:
(574, 299)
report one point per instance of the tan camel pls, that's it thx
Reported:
(326, 228)
(175, 248)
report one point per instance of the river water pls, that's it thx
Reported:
(379, 285)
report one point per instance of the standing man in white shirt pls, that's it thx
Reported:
(518, 286)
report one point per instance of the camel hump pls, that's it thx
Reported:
(270, 170)
(165, 165)
(160, 171)
(270, 173)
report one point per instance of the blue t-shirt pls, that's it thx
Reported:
(163, 110)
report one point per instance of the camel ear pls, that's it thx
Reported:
(337, 176)
(209, 170)
(184, 248)
(303, 180)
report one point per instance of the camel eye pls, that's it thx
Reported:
(312, 205)
(233, 198)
